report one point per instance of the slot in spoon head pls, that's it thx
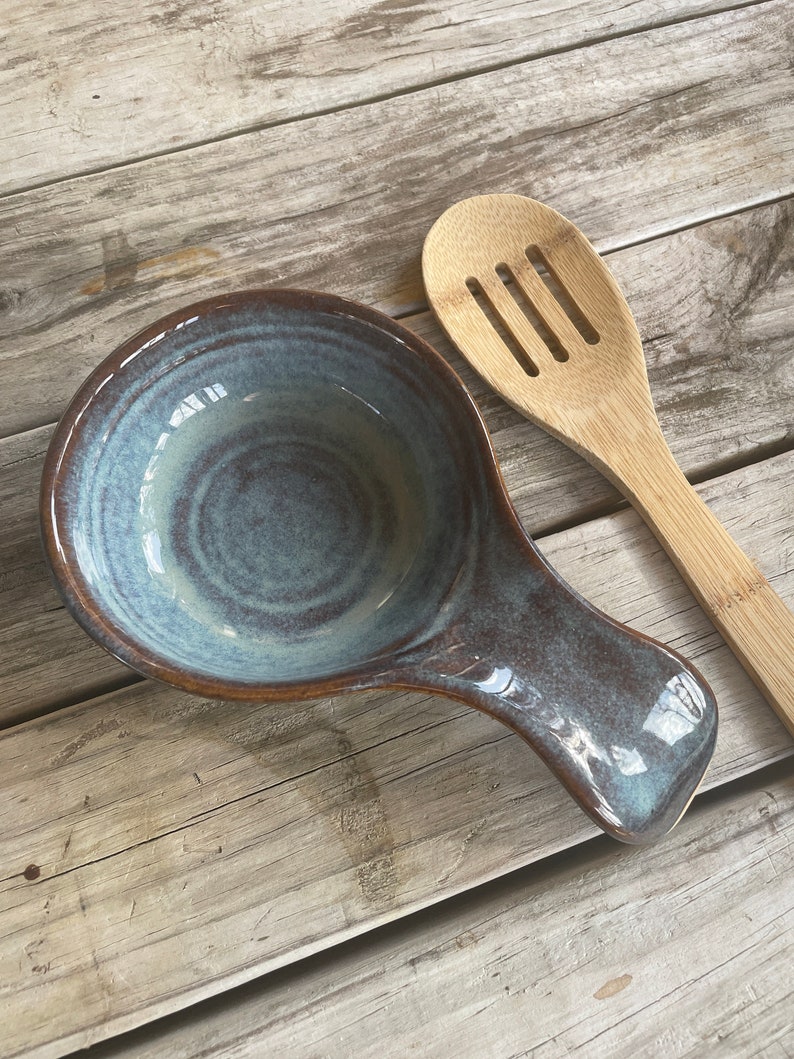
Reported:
(527, 300)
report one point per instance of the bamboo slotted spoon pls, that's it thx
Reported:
(527, 300)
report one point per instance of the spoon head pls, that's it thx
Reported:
(530, 304)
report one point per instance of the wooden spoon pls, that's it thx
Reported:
(533, 308)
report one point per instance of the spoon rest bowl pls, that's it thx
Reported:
(276, 495)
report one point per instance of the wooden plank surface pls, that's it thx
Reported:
(669, 128)
(610, 953)
(186, 846)
(79, 91)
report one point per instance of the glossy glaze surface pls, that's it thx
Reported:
(280, 494)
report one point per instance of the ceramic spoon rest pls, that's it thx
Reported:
(277, 495)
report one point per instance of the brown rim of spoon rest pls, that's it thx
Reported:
(530, 304)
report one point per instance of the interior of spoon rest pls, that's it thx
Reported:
(266, 491)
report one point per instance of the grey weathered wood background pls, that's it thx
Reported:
(390, 873)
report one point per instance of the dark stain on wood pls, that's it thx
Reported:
(364, 827)
(768, 258)
(279, 60)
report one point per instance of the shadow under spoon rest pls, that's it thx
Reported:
(530, 304)
(277, 495)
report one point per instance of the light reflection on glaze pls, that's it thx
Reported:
(630, 762)
(679, 709)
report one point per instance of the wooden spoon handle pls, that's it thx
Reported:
(738, 599)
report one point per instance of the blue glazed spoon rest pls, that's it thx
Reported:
(275, 495)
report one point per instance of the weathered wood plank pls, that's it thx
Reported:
(80, 93)
(706, 368)
(184, 847)
(629, 137)
(679, 950)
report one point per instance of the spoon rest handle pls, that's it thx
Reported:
(627, 725)
(742, 605)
